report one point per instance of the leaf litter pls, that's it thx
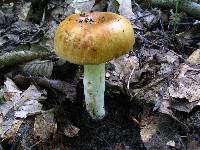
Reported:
(158, 75)
(20, 105)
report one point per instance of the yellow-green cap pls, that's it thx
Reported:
(93, 38)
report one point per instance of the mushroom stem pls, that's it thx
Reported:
(94, 87)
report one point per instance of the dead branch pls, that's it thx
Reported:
(190, 7)
(16, 57)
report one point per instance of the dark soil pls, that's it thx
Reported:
(116, 131)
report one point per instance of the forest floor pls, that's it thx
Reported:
(152, 96)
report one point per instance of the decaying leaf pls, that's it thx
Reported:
(38, 67)
(71, 131)
(6, 19)
(11, 95)
(23, 10)
(18, 105)
(100, 5)
(21, 32)
(48, 39)
(171, 143)
(82, 5)
(125, 8)
(32, 93)
(189, 37)
(158, 130)
(185, 106)
(124, 67)
(69, 90)
(185, 87)
(9, 128)
(194, 58)
(30, 107)
(45, 125)
(186, 84)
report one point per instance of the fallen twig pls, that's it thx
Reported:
(190, 7)
(17, 57)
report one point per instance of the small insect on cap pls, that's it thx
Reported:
(93, 38)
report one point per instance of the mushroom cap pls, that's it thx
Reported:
(93, 38)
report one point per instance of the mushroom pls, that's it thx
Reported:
(92, 39)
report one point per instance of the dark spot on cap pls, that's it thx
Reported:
(82, 15)
(94, 50)
(87, 20)
(80, 21)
